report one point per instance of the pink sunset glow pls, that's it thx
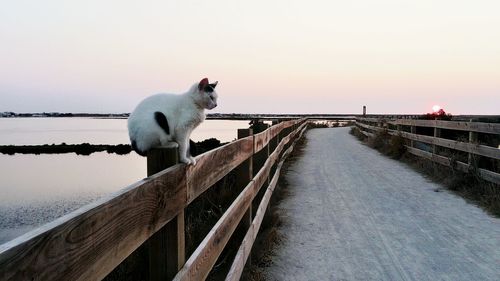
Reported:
(269, 56)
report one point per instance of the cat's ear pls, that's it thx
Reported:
(202, 84)
(214, 84)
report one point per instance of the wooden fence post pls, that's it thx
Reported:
(166, 248)
(437, 134)
(472, 159)
(281, 134)
(267, 150)
(244, 174)
(276, 140)
(413, 131)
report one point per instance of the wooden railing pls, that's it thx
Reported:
(90, 242)
(407, 128)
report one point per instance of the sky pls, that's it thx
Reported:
(394, 56)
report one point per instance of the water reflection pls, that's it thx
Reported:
(97, 131)
(39, 188)
(36, 189)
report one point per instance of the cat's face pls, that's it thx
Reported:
(207, 94)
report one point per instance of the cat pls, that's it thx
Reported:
(169, 119)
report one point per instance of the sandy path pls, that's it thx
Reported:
(356, 215)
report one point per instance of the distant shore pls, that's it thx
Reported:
(87, 149)
(210, 116)
(250, 116)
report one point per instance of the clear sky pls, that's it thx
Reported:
(332, 56)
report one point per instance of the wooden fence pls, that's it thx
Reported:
(90, 242)
(409, 129)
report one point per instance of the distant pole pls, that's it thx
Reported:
(364, 110)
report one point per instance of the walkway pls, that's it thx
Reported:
(353, 214)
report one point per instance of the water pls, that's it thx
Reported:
(97, 131)
(36, 189)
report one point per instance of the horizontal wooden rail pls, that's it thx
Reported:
(367, 119)
(205, 174)
(90, 242)
(263, 138)
(244, 251)
(200, 263)
(479, 127)
(470, 147)
(463, 167)
(373, 128)
(482, 150)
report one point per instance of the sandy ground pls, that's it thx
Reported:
(353, 214)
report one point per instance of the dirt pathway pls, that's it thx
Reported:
(353, 214)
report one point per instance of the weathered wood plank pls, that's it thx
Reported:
(215, 164)
(427, 155)
(373, 128)
(482, 150)
(276, 129)
(166, 247)
(367, 119)
(489, 176)
(480, 127)
(261, 140)
(367, 134)
(202, 260)
(437, 134)
(90, 242)
(244, 174)
(247, 243)
(244, 251)
(463, 167)
(204, 257)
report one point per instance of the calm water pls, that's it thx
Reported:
(97, 131)
(35, 189)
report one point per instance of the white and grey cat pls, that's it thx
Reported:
(169, 119)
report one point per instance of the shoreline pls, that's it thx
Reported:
(86, 149)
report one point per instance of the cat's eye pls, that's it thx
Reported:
(208, 88)
(212, 98)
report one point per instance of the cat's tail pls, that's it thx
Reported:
(140, 152)
(193, 149)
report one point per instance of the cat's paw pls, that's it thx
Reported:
(169, 144)
(187, 161)
(193, 161)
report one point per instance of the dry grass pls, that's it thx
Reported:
(468, 185)
(393, 146)
(269, 236)
(355, 131)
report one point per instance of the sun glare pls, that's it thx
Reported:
(436, 108)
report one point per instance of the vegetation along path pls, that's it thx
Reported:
(353, 214)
